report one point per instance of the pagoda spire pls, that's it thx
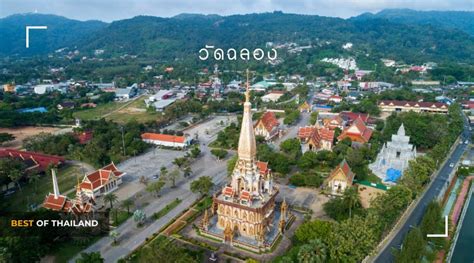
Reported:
(55, 184)
(247, 146)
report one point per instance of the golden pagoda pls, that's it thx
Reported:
(246, 206)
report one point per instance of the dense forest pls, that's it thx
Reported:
(182, 36)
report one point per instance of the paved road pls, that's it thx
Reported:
(415, 217)
(130, 237)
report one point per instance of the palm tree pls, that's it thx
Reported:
(34, 178)
(139, 217)
(313, 252)
(111, 198)
(127, 203)
(351, 198)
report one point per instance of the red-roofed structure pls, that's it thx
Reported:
(357, 132)
(267, 126)
(416, 106)
(166, 140)
(84, 137)
(350, 117)
(339, 179)
(35, 161)
(314, 138)
(102, 181)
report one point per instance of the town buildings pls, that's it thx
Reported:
(394, 157)
(402, 106)
(167, 140)
(244, 213)
(100, 182)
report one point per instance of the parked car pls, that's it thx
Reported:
(451, 165)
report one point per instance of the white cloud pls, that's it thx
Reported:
(109, 10)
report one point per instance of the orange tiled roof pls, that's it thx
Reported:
(163, 137)
(263, 167)
(100, 177)
(245, 195)
(346, 170)
(269, 121)
(228, 191)
(56, 204)
(363, 131)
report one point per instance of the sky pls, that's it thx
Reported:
(110, 10)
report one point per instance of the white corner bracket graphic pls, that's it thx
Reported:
(445, 230)
(28, 33)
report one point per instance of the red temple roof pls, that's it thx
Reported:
(269, 121)
(100, 177)
(53, 203)
(228, 191)
(42, 160)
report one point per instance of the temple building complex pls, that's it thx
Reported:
(394, 157)
(315, 138)
(244, 214)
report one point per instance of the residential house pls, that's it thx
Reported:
(126, 93)
(273, 96)
(65, 105)
(340, 179)
(267, 126)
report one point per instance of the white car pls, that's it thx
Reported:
(466, 142)
(451, 165)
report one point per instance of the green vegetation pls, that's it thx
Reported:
(93, 257)
(162, 249)
(291, 116)
(227, 138)
(6, 137)
(106, 145)
(219, 153)
(166, 209)
(33, 194)
(202, 185)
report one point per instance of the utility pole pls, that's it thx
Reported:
(123, 141)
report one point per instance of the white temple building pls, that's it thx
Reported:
(394, 157)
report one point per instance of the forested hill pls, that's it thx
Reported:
(61, 32)
(182, 36)
(461, 20)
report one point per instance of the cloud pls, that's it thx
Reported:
(109, 10)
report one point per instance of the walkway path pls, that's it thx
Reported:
(460, 201)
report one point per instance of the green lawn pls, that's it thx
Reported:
(31, 194)
(134, 111)
(97, 112)
(166, 209)
(122, 216)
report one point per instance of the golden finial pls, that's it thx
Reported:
(247, 91)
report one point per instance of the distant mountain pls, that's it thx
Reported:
(173, 38)
(61, 32)
(182, 36)
(461, 20)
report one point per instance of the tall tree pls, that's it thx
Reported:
(351, 198)
(202, 185)
(111, 198)
(127, 203)
(156, 187)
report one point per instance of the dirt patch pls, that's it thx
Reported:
(23, 133)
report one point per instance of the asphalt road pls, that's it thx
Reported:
(415, 217)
